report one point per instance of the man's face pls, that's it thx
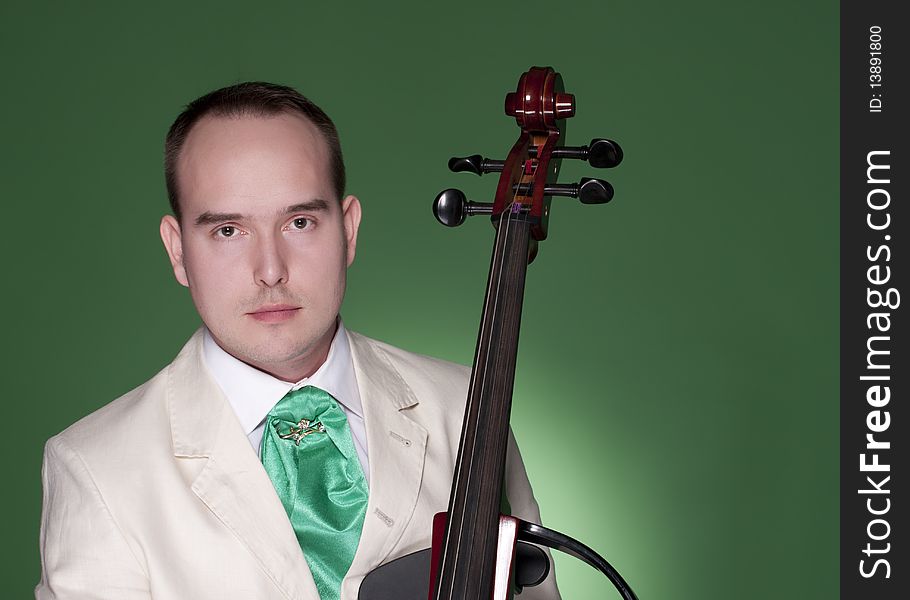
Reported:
(263, 245)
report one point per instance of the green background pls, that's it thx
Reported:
(677, 399)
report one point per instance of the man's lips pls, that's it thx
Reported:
(274, 313)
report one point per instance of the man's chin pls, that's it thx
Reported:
(288, 361)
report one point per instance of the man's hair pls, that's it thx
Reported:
(257, 99)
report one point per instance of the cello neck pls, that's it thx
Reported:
(468, 561)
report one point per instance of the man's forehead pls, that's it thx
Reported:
(253, 164)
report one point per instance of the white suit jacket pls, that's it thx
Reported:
(160, 495)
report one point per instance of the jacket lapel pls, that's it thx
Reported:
(397, 448)
(232, 482)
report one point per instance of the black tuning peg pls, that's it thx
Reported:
(451, 207)
(600, 153)
(594, 191)
(604, 153)
(588, 190)
(475, 164)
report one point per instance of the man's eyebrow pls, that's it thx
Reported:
(210, 218)
(315, 204)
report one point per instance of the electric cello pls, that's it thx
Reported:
(479, 553)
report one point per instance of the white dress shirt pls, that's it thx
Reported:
(252, 393)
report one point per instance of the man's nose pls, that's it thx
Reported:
(271, 264)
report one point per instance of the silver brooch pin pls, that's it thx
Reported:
(297, 432)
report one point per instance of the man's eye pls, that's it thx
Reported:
(227, 231)
(301, 223)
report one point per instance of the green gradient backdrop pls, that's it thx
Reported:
(677, 396)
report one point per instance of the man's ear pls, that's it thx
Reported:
(173, 243)
(350, 215)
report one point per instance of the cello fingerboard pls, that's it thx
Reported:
(470, 547)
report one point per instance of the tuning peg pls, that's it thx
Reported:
(475, 164)
(600, 153)
(594, 191)
(588, 190)
(604, 153)
(451, 207)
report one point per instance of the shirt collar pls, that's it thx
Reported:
(252, 393)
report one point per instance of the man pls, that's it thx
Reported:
(279, 455)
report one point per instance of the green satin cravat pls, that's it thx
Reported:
(309, 455)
